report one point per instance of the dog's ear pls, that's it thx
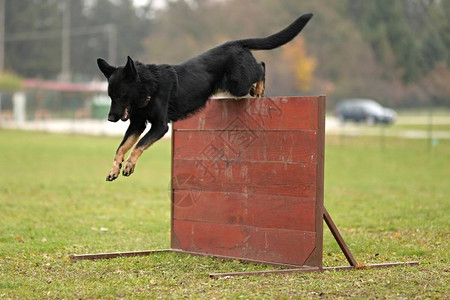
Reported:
(106, 68)
(130, 69)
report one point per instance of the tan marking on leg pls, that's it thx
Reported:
(120, 154)
(130, 163)
(129, 143)
(135, 154)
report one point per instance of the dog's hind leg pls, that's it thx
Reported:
(238, 88)
(241, 73)
(258, 88)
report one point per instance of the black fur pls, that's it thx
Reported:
(162, 93)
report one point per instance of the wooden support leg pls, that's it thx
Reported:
(348, 254)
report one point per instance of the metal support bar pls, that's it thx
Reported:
(266, 272)
(150, 252)
(230, 258)
(116, 254)
(312, 269)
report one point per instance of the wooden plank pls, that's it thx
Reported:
(269, 211)
(235, 259)
(316, 257)
(274, 245)
(267, 178)
(281, 113)
(286, 146)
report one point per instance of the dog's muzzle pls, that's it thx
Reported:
(112, 118)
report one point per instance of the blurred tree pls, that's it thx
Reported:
(384, 26)
(393, 51)
(412, 32)
(113, 28)
(32, 41)
(33, 35)
(442, 13)
(179, 33)
(302, 65)
(435, 37)
(10, 82)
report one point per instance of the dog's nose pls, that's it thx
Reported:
(112, 118)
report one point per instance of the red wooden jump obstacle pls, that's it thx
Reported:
(247, 184)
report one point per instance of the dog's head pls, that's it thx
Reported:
(124, 89)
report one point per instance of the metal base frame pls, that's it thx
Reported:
(289, 268)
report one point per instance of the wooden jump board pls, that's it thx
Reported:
(247, 180)
(247, 184)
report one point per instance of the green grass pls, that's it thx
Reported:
(425, 127)
(391, 204)
(414, 112)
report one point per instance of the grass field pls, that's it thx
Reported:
(391, 204)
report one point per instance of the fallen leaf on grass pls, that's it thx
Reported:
(396, 236)
(19, 238)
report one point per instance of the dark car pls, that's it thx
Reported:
(364, 110)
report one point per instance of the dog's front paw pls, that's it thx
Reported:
(128, 169)
(113, 173)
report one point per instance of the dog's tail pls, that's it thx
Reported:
(277, 39)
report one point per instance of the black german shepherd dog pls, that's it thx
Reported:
(162, 93)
